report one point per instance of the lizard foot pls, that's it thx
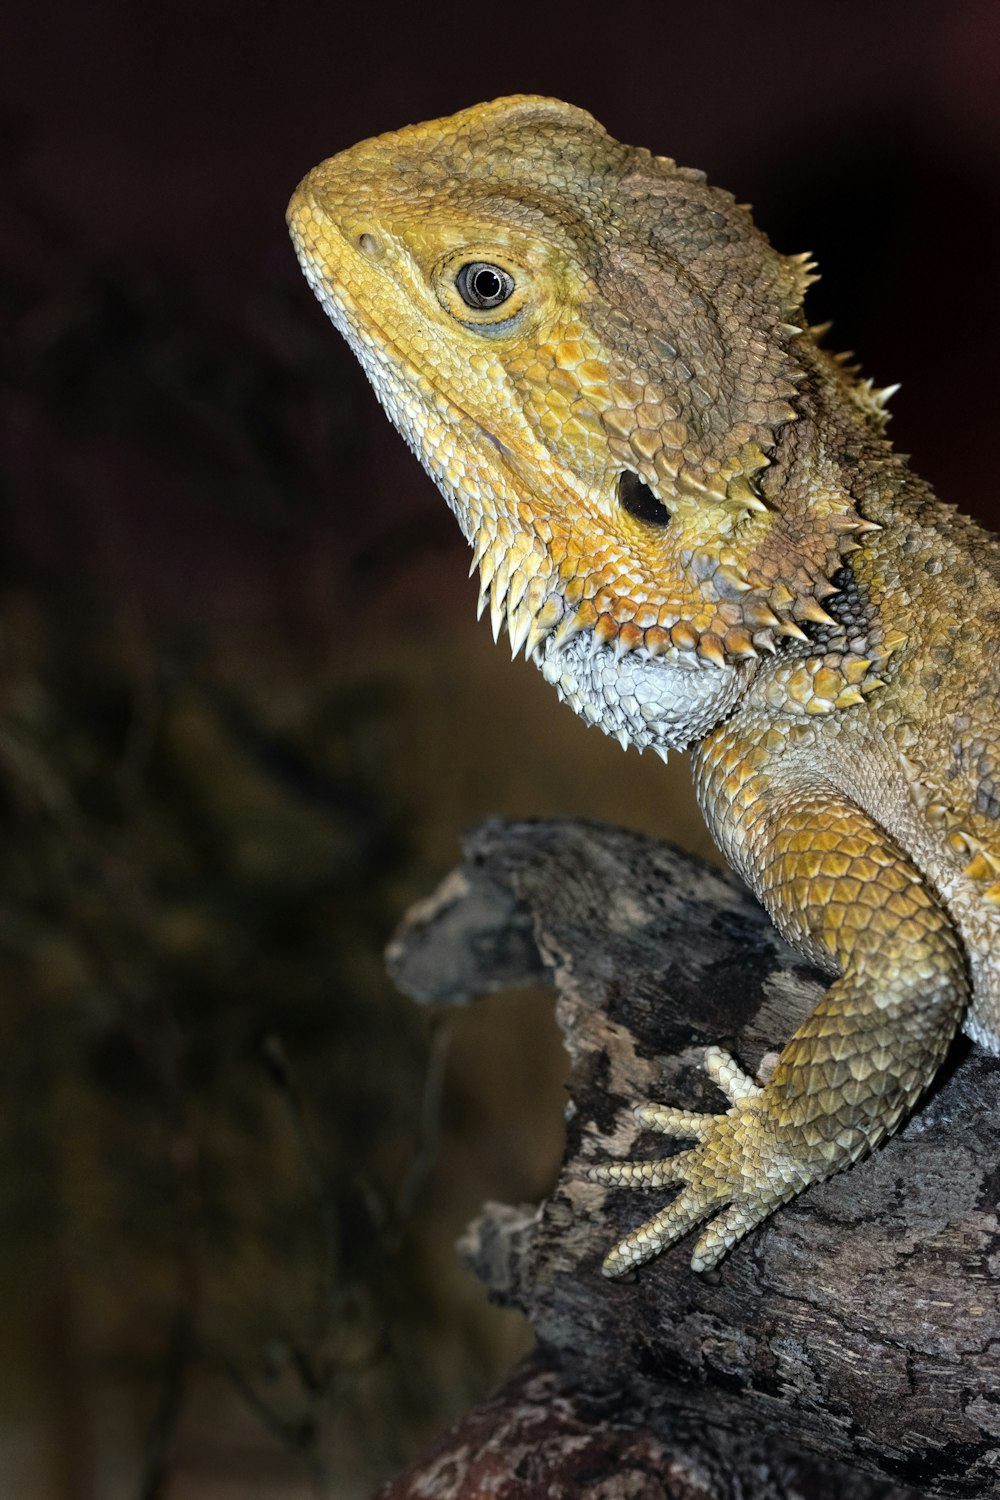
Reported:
(737, 1165)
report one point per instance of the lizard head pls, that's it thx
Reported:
(591, 351)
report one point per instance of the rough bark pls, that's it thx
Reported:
(548, 1436)
(860, 1324)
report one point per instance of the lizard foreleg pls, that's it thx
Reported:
(841, 890)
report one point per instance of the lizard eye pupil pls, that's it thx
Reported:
(481, 285)
(638, 499)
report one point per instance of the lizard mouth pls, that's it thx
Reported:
(370, 341)
(515, 569)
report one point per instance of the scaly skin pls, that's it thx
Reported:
(687, 514)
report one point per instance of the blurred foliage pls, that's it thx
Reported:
(221, 1122)
(214, 1100)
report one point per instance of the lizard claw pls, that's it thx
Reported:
(735, 1167)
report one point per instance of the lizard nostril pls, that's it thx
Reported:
(638, 499)
(370, 245)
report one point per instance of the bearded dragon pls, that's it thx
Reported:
(687, 514)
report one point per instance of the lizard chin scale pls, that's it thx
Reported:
(651, 702)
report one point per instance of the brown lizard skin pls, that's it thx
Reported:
(687, 514)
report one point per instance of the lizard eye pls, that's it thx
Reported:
(638, 499)
(481, 285)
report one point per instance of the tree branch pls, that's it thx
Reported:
(860, 1324)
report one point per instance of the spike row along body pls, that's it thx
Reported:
(687, 514)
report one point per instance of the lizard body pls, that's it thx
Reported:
(686, 512)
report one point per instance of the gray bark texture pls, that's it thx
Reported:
(850, 1346)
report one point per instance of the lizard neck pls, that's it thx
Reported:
(833, 460)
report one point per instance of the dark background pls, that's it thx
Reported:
(245, 710)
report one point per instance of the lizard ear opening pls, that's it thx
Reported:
(638, 499)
